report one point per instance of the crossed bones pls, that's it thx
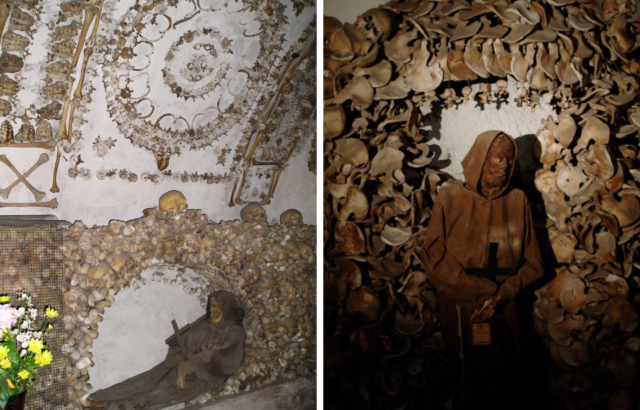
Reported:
(4, 193)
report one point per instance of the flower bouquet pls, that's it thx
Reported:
(22, 350)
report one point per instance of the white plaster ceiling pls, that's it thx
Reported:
(213, 98)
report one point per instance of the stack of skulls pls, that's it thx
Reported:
(271, 267)
(381, 76)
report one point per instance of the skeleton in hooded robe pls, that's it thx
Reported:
(213, 350)
(480, 251)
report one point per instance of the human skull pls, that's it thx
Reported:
(291, 217)
(75, 298)
(173, 201)
(306, 251)
(277, 253)
(375, 24)
(251, 273)
(190, 242)
(287, 290)
(292, 250)
(253, 213)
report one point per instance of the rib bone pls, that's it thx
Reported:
(5, 192)
(37, 194)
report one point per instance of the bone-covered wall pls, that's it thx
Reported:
(407, 88)
(105, 105)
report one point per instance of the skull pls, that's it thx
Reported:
(287, 290)
(375, 24)
(253, 213)
(173, 201)
(277, 253)
(306, 251)
(75, 298)
(190, 242)
(291, 217)
(292, 250)
(251, 273)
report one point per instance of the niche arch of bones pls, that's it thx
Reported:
(270, 267)
(382, 76)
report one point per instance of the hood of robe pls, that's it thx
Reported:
(473, 162)
(232, 310)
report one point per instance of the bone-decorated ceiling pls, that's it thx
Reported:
(202, 95)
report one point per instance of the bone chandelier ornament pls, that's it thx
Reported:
(382, 75)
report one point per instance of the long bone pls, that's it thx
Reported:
(50, 145)
(37, 194)
(54, 187)
(62, 129)
(5, 192)
(89, 13)
(78, 93)
(273, 187)
(235, 185)
(244, 176)
(53, 204)
(74, 104)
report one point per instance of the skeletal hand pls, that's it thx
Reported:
(487, 310)
(181, 376)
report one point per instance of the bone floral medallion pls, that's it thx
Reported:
(387, 78)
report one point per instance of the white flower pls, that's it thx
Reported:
(33, 313)
(25, 345)
(21, 311)
(37, 335)
(24, 325)
(23, 353)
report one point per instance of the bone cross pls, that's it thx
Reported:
(37, 194)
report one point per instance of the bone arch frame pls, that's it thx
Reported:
(100, 261)
(378, 184)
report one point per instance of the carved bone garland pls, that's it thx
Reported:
(580, 57)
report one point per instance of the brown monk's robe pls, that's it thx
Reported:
(215, 350)
(462, 225)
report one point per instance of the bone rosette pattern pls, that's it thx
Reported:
(382, 76)
(203, 64)
(178, 76)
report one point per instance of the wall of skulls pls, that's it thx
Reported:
(214, 97)
(396, 67)
(272, 267)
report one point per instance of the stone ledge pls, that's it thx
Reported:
(299, 394)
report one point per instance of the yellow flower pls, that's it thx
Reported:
(35, 346)
(4, 299)
(23, 375)
(4, 351)
(5, 363)
(50, 327)
(51, 313)
(42, 359)
(11, 386)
